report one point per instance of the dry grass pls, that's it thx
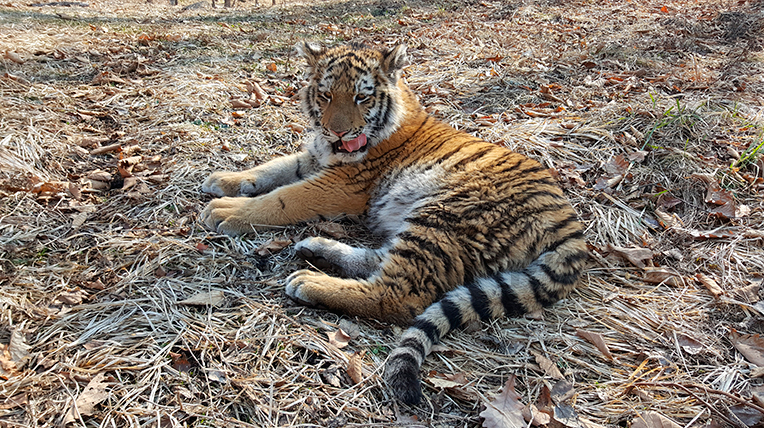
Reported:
(93, 277)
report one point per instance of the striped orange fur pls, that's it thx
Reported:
(472, 230)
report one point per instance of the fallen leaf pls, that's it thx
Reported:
(566, 415)
(18, 348)
(506, 410)
(562, 391)
(92, 395)
(13, 56)
(79, 220)
(535, 416)
(216, 376)
(271, 67)
(330, 376)
(653, 420)
(748, 416)
(750, 345)
(668, 221)
(240, 104)
(17, 400)
(350, 329)
(338, 338)
(355, 367)
(690, 345)
(335, 230)
(255, 89)
(180, 362)
(70, 297)
(201, 247)
(597, 340)
(635, 255)
(710, 284)
(550, 368)
(212, 298)
(273, 246)
(125, 166)
(617, 165)
(663, 276)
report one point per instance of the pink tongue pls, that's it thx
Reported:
(355, 143)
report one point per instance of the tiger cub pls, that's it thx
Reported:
(473, 231)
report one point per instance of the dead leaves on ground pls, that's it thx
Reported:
(550, 409)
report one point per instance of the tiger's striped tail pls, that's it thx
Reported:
(548, 279)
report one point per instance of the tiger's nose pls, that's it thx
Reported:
(340, 133)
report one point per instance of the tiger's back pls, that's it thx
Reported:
(472, 230)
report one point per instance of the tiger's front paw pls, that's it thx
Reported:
(227, 215)
(223, 183)
(303, 287)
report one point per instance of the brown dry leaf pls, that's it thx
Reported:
(710, 284)
(749, 416)
(273, 246)
(350, 329)
(180, 362)
(335, 230)
(663, 276)
(255, 89)
(547, 365)
(617, 165)
(8, 367)
(506, 410)
(562, 391)
(50, 187)
(355, 367)
(78, 220)
(690, 345)
(271, 67)
(653, 420)
(535, 416)
(338, 338)
(240, 104)
(750, 345)
(18, 348)
(17, 400)
(597, 340)
(125, 166)
(70, 297)
(13, 56)
(200, 247)
(668, 221)
(92, 395)
(565, 415)
(635, 255)
(212, 298)
(296, 128)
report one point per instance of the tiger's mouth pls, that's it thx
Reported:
(357, 144)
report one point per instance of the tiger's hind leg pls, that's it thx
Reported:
(354, 262)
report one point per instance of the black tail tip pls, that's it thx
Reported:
(403, 380)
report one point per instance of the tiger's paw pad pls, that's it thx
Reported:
(308, 251)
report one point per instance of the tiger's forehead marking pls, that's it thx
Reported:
(348, 71)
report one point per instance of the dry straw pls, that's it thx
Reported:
(119, 309)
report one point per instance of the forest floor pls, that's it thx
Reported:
(117, 308)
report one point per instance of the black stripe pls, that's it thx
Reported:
(413, 344)
(452, 313)
(427, 245)
(428, 328)
(560, 278)
(473, 157)
(480, 302)
(512, 306)
(539, 291)
(298, 173)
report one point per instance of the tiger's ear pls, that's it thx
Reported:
(310, 51)
(393, 60)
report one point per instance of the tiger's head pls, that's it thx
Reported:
(353, 98)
